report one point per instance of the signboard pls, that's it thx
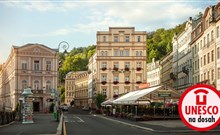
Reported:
(144, 85)
(27, 110)
(199, 107)
(164, 94)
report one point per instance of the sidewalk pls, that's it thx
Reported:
(43, 124)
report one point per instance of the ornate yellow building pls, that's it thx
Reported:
(31, 65)
(121, 60)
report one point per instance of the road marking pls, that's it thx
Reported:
(79, 119)
(128, 124)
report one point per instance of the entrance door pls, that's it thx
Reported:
(36, 106)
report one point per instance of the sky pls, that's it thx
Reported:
(76, 22)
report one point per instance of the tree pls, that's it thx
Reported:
(99, 99)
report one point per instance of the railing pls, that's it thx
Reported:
(7, 117)
(37, 91)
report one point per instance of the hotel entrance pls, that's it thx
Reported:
(36, 106)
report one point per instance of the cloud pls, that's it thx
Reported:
(43, 6)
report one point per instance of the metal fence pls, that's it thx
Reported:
(7, 117)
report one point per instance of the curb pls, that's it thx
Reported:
(7, 124)
(60, 126)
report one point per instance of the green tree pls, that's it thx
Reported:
(99, 99)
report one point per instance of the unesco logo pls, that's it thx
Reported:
(199, 107)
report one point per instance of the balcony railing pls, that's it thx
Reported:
(37, 91)
(173, 76)
(185, 70)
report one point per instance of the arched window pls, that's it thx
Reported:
(48, 85)
(36, 85)
(24, 84)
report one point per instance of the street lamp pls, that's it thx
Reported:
(65, 47)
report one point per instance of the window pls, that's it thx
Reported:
(138, 64)
(204, 60)
(48, 65)
(212, 35)
(208, 75)
(127, 39)
(127, 52)
(217, 32)
(24, 84)
(208, 58)
(37, 65)
(204, 43)
(218, 52)
(121, 52)
(48, 85)
(204, 76)
(102, 53)
(212, 77)
(138, 77)
(140, 53)
(212, 55)
(208, 38)
(104, 38)
(127, 64)
(104, 78)
(127, 78)
(139, 38)
(115, 38)
(137, 53)
(200, 44)
(201, 61)
(36, 84)
(218, 73)
(104, 64)
(115, 52)
(104, 91)
(116, 78)
(201, 77)
(106, 53)
(115, 64)
(24, 65)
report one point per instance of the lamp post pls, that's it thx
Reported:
(65, 47)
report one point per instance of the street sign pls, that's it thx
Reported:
(164, 94)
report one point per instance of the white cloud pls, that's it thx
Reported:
(43, 6)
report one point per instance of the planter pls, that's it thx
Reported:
(103, 82)
(138, 68)
(104, 68)
(127, 82)
(115, 68)
(115, 82)
(139, 82)
(126, 69)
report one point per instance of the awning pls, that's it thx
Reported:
(107, 102)
(132, 97)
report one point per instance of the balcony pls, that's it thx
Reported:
(104, 68)
(127, 82)
(37, 91)
(103, 82)
(115, 82)
(139, 82)
(138, 68)
(126, 68)
(185, 70)
(173, 76)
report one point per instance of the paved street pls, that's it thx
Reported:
(80, 122)
(43, 124)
